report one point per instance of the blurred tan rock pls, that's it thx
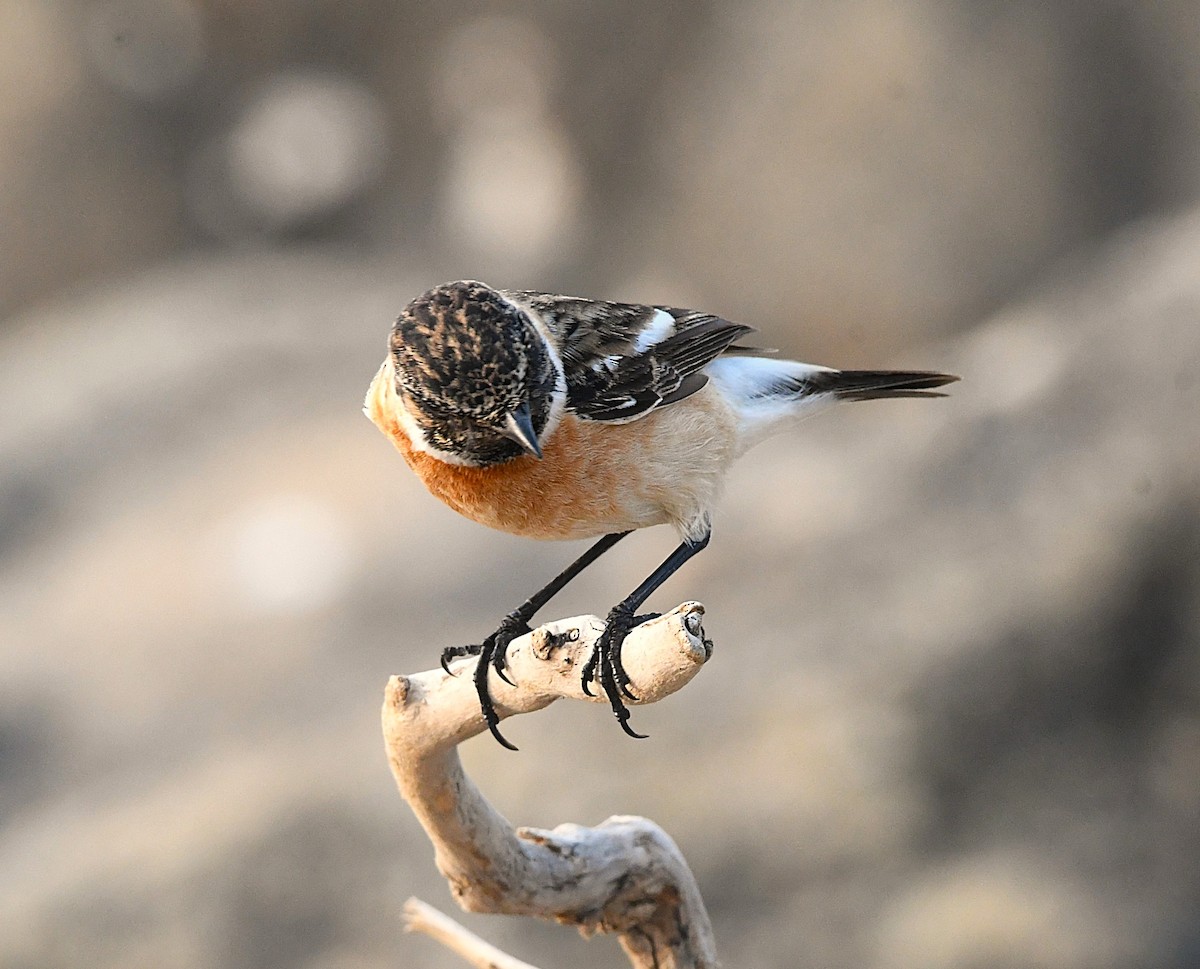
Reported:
(1000, 911)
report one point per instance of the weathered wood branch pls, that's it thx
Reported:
(419, 917)
(625, 875)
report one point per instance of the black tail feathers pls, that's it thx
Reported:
(874, 384)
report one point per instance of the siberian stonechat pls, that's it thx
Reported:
(556, 417)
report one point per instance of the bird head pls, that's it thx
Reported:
(474, 373)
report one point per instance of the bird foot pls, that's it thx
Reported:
(492, 652)
(496, 645)
(451, 653)
(605, 664)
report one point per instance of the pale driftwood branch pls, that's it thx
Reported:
(625, 875)
(419, 917)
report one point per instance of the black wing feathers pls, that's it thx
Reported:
(625, 386)
(623, 359)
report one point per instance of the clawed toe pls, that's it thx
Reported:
(605, 666)
(486, 706)
(494, 654)
(451, 653)
(499, 663)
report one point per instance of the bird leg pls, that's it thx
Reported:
(606, 657)
(493, 650)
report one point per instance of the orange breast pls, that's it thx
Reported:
(593, 478)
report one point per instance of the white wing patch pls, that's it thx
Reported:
(660, 326)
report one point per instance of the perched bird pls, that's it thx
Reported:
(556, 417)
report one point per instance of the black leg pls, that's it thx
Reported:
(517, 621)
(492, 650)
(606, 658)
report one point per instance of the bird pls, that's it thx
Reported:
(564, 418)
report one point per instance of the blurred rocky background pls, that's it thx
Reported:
(954, 715)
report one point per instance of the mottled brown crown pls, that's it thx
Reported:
(466, 357)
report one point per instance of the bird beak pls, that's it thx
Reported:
(518, 426)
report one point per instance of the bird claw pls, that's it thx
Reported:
(451, 653)
(623, 720)
(492, 652)
(605, 665)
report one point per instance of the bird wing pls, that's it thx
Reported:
(622, 360)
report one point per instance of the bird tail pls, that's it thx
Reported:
(871, 384)
(768, 395)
